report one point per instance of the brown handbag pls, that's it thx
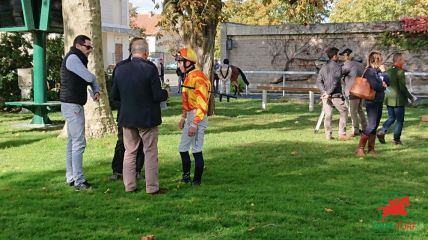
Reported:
(362, 89)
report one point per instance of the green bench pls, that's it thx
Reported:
(40, 110)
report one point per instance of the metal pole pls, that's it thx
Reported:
(311, 101)
(264, 99)
(410, 84)
(39, 78)
(39, 63)
(283, 85)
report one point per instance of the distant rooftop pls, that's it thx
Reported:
(148, 22)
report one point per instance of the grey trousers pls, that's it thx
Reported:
(74, 116)
(328, 105)
(357, 115)
(197, 141)
(131, 140)
(224, 86)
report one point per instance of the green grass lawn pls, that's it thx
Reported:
(267, 176)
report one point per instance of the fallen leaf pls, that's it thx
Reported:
(148, 237)
(328, 210)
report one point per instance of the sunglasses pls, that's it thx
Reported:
(88, 47)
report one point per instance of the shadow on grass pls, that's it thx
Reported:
(20, 142)
(279, 190)
(14, 117)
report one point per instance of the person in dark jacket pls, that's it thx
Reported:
(329, 83)
(350, 70)
(75, 78)
(136, 85)
(378, 80)
(396, 99)
(162, 70)
(119, 150)
(180, 78)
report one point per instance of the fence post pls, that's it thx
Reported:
(410, 83)
(264, 99)
(283, 85)
(311, 101)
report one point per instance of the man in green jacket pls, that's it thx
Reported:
(395, 99)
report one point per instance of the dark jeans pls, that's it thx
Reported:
(119, 152)
(374, 114)
(394, 114)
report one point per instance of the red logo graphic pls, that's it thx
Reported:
(395, 207)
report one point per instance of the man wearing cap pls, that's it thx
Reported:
(329, 83)
(194, 120)
(350, 70)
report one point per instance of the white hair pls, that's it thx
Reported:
(139, 46)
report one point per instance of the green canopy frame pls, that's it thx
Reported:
(39, 17)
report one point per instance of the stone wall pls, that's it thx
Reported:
(300, 47)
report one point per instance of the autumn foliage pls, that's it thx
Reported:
(415, 24)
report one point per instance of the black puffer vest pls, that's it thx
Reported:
(73, 88)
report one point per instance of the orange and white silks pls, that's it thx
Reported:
(196, 94)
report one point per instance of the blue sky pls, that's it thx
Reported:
(145, 5)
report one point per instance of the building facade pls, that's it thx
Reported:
(115, 30)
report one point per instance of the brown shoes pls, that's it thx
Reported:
(372, 141)
(344, 137)
(361, 145)
(160, 191)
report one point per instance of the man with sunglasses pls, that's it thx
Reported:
(75, 78)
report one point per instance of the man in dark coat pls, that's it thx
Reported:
(119, 150)
(136, 85)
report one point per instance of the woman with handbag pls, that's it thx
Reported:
(378, 80)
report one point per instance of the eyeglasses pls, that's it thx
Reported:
(88, 47)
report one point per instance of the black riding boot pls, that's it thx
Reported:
(199, 168)
(185, 160)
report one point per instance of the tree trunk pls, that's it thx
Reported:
(84, 17)
(203, 44)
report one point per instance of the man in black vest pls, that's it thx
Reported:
(137, 87)
(75, 78)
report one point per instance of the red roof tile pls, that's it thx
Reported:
(148, 22)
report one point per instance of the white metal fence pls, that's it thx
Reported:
(410, 76)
